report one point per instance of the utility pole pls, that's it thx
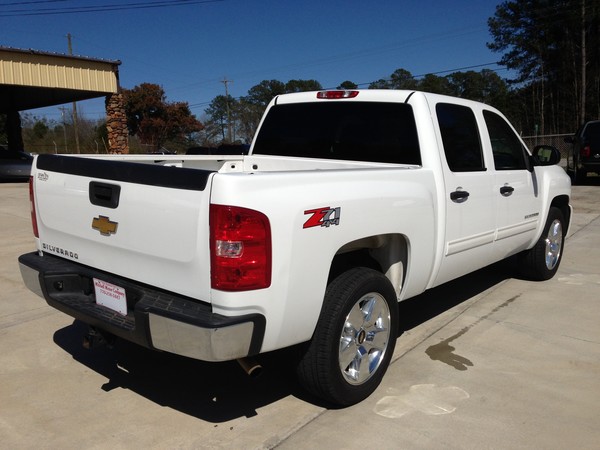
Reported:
(74, 104)
(62, 113)
(226, 82)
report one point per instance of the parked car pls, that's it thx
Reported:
(584, 155)
(14, 165)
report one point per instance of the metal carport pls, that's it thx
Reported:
(34, 79)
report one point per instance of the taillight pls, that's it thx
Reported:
(332, 95)
(32, 206)
(240, 249)
(585, 152)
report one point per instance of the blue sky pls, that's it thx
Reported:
(190, 48)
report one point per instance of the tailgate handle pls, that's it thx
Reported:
(104, 194)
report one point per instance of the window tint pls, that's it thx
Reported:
(460, 135)
(509, 153)
(357, 131)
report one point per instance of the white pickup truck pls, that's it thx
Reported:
(348, 202)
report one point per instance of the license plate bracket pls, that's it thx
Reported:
(111, 296)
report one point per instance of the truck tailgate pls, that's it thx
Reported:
(145, 222)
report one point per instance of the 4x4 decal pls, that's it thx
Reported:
(322, 217)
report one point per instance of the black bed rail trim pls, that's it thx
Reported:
(130, 172)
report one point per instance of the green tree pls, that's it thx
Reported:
(250, 108)
(262, 93)
(435, 84)
(347, 85)
(40, 129)
(552, 46)
(248, 117)
(485, 86)
(400, 79)
(221, 112)
(302, 86)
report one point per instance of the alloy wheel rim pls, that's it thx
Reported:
(364, 338)
(554, 244)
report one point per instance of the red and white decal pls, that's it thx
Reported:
(322, 217)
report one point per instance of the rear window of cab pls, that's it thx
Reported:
(350, 131)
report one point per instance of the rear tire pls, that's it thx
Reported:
(354, 339)
(541, 262)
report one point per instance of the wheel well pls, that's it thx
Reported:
(562, 202)
(386, 253)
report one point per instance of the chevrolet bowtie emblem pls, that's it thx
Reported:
(104, 225)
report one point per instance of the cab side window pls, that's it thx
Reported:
(460, 136)
(509, 153)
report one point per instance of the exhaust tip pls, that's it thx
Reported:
(252, 368)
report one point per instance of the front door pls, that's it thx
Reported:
(515, 188)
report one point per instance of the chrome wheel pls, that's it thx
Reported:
(554, 242)
(365, 338)
(542, 260)
(354, 339)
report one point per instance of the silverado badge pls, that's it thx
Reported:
(104, 225)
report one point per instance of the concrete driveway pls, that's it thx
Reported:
(487, 361)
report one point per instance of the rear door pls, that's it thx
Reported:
(470, 218)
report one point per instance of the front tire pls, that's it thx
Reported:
(541, 262)
(354, 339)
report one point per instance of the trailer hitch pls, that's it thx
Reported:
(95, 338)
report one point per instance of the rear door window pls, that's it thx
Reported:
(460, 136)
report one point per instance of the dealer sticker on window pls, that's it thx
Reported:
(110, 296)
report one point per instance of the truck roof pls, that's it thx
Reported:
(372, 95)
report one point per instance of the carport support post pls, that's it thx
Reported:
(116, 124)
(13, 130)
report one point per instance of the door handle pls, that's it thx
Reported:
(506, 191)
(104, 194)
(459, 196)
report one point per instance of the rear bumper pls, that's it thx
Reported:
(590, 164)
(155, 319)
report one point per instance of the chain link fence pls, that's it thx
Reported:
(556, 140)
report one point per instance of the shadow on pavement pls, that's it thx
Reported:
(219, 392)
(214, 392)
(431, 303)
(590, 180)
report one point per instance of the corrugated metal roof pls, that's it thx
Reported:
(59, 55)
(32, 79)
(36, 69)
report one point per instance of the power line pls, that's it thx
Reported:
(458, 69)
(34, 2)
(101, 8)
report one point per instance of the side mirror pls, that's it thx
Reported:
(545, 155)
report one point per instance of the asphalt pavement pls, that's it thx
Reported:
(489, 361)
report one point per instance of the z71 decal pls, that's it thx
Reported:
(322, 217)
